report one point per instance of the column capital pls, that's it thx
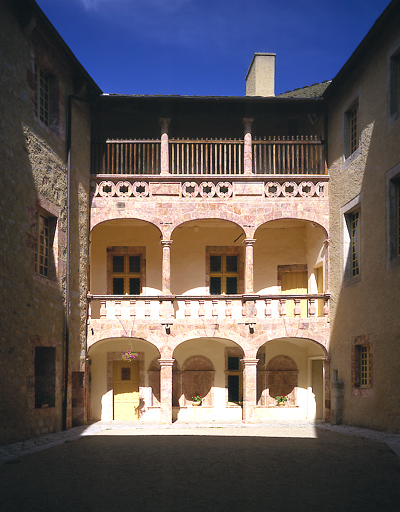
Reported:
(166, 362)
(249, 241)
(166, 243)
(249, 361)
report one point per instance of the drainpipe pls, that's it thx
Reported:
(68, 255)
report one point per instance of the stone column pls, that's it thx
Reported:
(249, 388)
(248, 272)
(166, 390)
(164, 122)
(247, 151)
(166, 267)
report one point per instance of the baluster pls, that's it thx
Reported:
(117, 308)
(103, 309)
(297, 307)
(228, 308)
(215, 308)
(268, 308)
(201, 308)
(188, 311)
(89, 312)
(147, 308)
(312, 310)
(282, 307)
(132, 311)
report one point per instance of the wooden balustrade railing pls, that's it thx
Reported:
(288, 155)
(229, 307)
(300, 155)
(210, 156)
(126, 157)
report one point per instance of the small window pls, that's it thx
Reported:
(234, 380)
(352, 130)
(126, 275)
(42, 247)
(223, 274)
(45, 376)
(363, 373)
(355, 242)
(352, 243)
(42, 89)
(395, 83)
(125, 270)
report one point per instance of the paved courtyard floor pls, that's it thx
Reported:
(274, 467)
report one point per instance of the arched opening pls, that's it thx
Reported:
(208, 365)
(207, 257)
(290, 368)
(290, 259)
(125, 258)
(120, 387)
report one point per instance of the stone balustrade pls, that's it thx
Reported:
(234, 307)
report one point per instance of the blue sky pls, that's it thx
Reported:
(204, 47)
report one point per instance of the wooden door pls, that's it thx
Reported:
(295, 283)
(126, 390)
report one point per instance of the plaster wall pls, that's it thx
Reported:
(366, 305)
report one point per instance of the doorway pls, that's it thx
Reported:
(126, 390)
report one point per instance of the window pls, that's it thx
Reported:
(125, 270)
(42, 87)
(362, 363)
(355, 232)
(352, 130)
(234, 376)
(352, 239)
(223, 274)
(42, 247)
(393, 217)
(45, 377)
(395, 84)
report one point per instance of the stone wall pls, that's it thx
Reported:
(34, 178)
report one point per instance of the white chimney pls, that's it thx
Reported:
(260, 78)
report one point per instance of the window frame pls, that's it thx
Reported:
(48, 271)
(393, 93)
(225, 251)
(126, 252)
(393, 217)
(362, 366)
(42, 95)
(351, 273)
(351, 131)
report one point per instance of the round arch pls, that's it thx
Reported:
(106, 359)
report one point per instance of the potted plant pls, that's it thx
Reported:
(281, 399)
(128, 355)
(197, 399)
